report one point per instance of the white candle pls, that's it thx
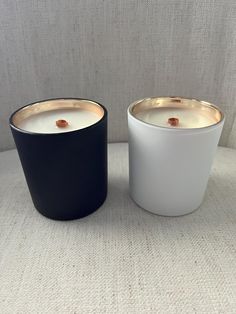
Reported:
(43, 117)
(188, 117)
(169, 165)
(188, 113)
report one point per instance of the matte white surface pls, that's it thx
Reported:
(116, 52)
(169, 167)
(121, 259)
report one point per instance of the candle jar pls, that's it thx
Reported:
(172, 142)
(62, 145)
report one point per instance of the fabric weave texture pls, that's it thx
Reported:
(121, 259)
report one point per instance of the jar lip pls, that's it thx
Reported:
(174, 100)
(92, 102)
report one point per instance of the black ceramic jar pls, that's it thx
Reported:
(66, 171)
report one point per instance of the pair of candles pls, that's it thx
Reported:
(70, 116)
(62, 144)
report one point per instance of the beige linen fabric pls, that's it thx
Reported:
(121, 259)
(116, 52)
(232, 137)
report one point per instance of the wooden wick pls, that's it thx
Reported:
(173, 121)
(62, 123)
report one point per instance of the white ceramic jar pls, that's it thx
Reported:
(169, 164)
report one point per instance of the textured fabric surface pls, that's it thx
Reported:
(116, 52)
(121, 259)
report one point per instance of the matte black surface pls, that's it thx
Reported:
(66, 172)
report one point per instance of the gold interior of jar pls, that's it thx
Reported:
(176, 102)
(56, 104)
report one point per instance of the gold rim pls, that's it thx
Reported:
(177, 102)
(55, 104)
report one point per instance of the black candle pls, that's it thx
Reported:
(65, 165)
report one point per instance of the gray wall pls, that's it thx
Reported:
(116, 52)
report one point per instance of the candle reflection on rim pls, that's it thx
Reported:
(148, 104)
(54, 105)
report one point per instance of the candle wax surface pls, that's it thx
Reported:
(188, 117)
(45, 122)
